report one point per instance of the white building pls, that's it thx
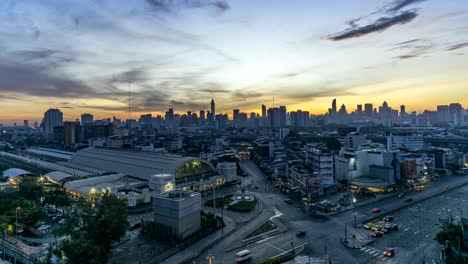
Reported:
(228, 170)
(177, 213)
(52, 118)
(321, 161)
(405, 140)
(354, 140)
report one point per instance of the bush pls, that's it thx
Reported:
(267, 226)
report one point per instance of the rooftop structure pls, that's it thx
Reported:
(142, 165)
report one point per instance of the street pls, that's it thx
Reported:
(324, 232)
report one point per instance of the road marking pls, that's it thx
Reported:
(367, 250)
(376, 254)
(406, 229)
(433, 262)
(362, 249)
(266, 239)
(416, 232)
(275, 247)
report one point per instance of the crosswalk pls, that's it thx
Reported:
(375, 253)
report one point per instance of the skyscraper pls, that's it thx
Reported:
(334, 106)
(282, 116)
(87, 118)
(202, 118)
(273, 117)
(456, 113)
(368, 109)
(213, 110)
(402, 111)
(52, 118)
(359, 109)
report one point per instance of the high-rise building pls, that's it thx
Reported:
(202, 118)
(87, 118)
(264, 111)
(235, 115)
(456, 114)
(333, 106)
(25, 123)
(359, 109)
(402, 111)
(282, 116)
(213, 110)
(52, 118)
(443, 113)
(69, 133)
(368, 109)
(273, 117)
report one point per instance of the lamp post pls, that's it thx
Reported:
(354, 211)
(16, 226)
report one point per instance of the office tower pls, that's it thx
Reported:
(169, 117)
(282, 116)
(146, 119)
(87, 119)
(52, 118)
(235, 115)
(443, 113)
(25, 123)
(359, 109)
(368, 109)
(273, 117)
(213, 110)
(69, 133)
(202, 118)
(343, 110)
(456, 114)
(36, 125)
(264, 111)
(402, 111)
(264, 121)
(334, 106)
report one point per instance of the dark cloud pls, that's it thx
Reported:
(378, 21)
(241, 96)
(399, 4)
(379, 25)
(36, 80)
(214, 90)
(171, 6)
(457, 46)
(413, 48)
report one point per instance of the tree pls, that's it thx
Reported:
(29, 188)
(57, 198)
(93, 225)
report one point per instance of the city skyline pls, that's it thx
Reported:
(180, 54)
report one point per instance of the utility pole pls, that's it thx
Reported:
(292, 241)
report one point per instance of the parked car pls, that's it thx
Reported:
(395, 227)
(375, 210)
(388, 218)
(408, 199)
(43, 227)
(386, 230)
(377, 234)
(288, 201)
(376, 228)
(369, 226)
(300, 233)
(389, 252)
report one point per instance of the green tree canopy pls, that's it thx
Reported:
(99, 222)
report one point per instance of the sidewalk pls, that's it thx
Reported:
(194, 250)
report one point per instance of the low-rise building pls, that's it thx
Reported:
(177, 213)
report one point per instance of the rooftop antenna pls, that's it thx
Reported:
(129, 110)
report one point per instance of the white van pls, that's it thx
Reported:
(243, 255)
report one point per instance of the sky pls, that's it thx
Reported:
(84, 56)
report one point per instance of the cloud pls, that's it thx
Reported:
(214, 90)
(172, 6)
(399, 4)
(241, 96)
(378, 21)
(457, 46)
(379, 25)
(413, 48)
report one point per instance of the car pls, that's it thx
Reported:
(288, 201)
(389, 252)
(300, 233)
(43, 227)
(375, 210)
(376, 228)
(377, 234)
(388, 218)
(386, 230)
(395, 227)
(408, 199)
(369, 226)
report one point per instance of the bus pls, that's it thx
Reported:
(243, 255)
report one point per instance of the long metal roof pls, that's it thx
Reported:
(138, 164)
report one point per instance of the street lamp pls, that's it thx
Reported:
(16, 227)
(354, 210)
